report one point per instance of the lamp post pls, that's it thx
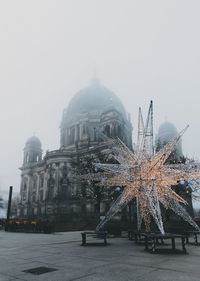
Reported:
(9, 203)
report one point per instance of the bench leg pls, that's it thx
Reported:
(195, 239)
(146, 244)
(83, 239)
(153, 245)
(173, 244)
(183, 245)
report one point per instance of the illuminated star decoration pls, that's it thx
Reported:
(144, 177)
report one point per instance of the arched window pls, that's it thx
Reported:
(107, 130)
(27, 158)
(34, 197)
(24, 189)
(72, 135)
(35, 179)
(119, 131)
(41, 194)
(84, 130)
(41, 180)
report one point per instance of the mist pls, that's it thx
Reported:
(49, 50)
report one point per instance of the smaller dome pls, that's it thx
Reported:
(167, 131)
(33, 142)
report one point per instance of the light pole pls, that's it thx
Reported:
(9, 203)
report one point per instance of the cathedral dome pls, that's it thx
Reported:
(92, 109)
(32, 150)
(93, 99)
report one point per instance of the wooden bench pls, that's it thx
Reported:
(135, 235)
(94, 234)
(152, 240)
(193, 233)
(139, 236)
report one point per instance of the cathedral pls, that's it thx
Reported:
(51, 186)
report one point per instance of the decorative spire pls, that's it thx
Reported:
(95, 81)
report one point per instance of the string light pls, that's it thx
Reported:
(148, 180)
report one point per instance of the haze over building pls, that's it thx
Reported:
(50, 184)
(142, 50)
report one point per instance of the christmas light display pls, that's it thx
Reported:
(145, 177)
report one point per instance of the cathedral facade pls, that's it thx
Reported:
(50, 184)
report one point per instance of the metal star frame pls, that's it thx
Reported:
(145, 177)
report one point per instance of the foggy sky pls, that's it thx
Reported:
(141, 50)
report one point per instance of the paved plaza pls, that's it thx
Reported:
(120, 260)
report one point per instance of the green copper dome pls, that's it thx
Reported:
(92, 99)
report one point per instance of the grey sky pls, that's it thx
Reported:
(142, 50)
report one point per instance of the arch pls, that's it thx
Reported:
(119, 131)
(84, 129)
(41, 195)
(35, 181)
(24, 190)
(27, 158)
(25, 184)
(33, 197)
(41, 180)
(107, 130)
(72, 135)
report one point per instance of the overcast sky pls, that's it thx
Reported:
(142, 50)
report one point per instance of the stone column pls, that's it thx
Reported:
(37, 187)
(76, 133)
(28, 188)
(81, 131)
(45, 185)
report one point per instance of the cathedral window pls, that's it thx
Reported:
(41, 181)
(27, 158)
(84, 130)
(24, 189)
(41, 193)
(33, 197)
(119, 131)
(35, 178)
(107, 130)
(72, 135)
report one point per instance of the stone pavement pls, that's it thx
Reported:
(121, 260)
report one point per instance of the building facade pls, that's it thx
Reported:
(50, 184)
